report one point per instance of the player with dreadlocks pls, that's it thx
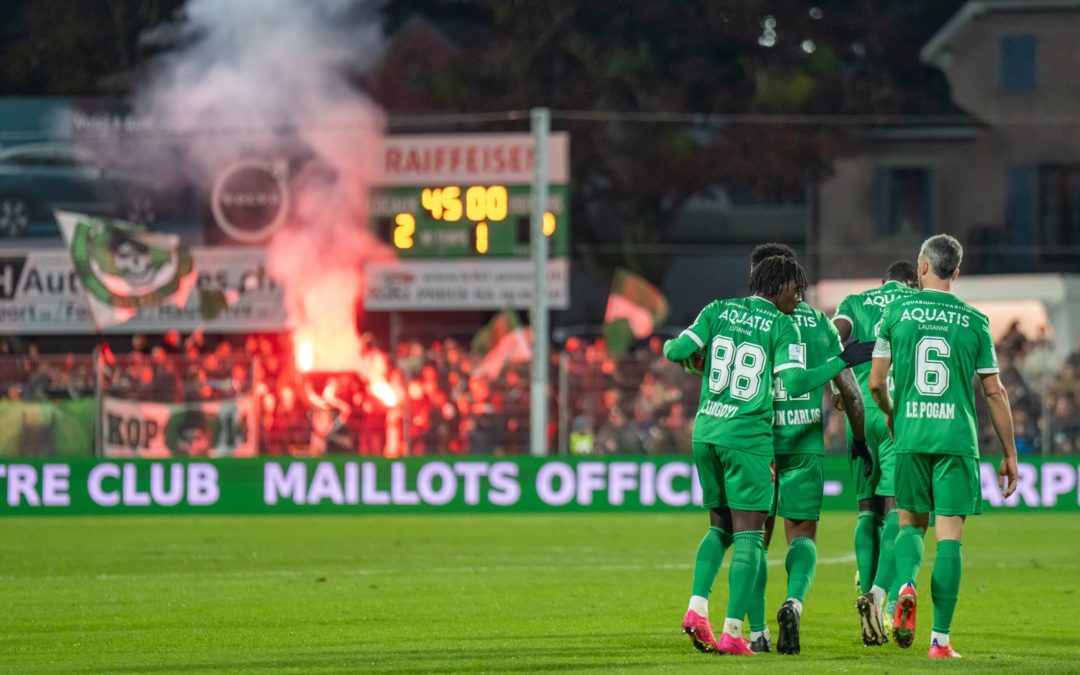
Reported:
(799, 447)
(747, 342)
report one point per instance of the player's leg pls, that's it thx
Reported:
(958, 494)
(914, 497)
(749, 489)
(870, 604)
(800, 497)
(871, 514)
(760, 639)
(710, 552)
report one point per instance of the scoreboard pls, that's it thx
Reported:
(463, 220)
(456, 211)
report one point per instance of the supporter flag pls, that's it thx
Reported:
(123, 268)
(634, 309)
(504, 340)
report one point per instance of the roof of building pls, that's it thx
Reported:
(936, 46)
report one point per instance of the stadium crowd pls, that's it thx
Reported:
(434, 402)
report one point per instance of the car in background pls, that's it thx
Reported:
(36, 178)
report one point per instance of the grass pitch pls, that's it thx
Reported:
(480, 593)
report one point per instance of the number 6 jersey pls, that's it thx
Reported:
(938, 343)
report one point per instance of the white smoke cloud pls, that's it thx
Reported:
(263, 77)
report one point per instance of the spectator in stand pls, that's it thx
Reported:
(1065, 424)
(617, 436)
(1014, 341)
(582, 439)
(673, 435)
(140, 344)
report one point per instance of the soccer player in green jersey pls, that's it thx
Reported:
(875, 530)
(936, 344)
(799, 449)
(746, 342)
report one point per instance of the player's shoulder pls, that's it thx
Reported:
(977, 316)
(808, 316)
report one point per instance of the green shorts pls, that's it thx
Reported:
(734, 478)
(800, 486)
(882, 481)
(947, 485)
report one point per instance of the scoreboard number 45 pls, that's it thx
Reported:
(481, 205)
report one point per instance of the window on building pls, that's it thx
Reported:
(904, 200)
(1018, 63)
(1059, 208)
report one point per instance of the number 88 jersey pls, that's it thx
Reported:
(938, 343)
(747, 341)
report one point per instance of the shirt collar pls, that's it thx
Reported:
(938, 290)
(758, 297)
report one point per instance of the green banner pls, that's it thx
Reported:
(484, 484)
(47, 428)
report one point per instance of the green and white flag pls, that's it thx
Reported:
(634, 309)
(124, 268)
(504, 340)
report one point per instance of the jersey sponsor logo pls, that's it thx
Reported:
(718, 409)
(882, 299)
(933, 314)
(805, 320)
(787, 418)
(738, 317)
(930, 410)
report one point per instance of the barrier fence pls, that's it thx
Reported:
(226, 404)
(483, 484)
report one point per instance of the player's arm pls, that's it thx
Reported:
(879, 384)
(997, 403)
(690, 341)
(843, 326)
(853, 404)
(879, 369)
(790, 361)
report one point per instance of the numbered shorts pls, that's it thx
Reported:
(947, 485)
(882, 481)
(800, 484)
(734, 478)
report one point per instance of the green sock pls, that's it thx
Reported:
(866, 548)
(801, 564)
(909, 554)
(945, 583)
(745, 562)
(886, 567)
(756, 611)
(710, 556)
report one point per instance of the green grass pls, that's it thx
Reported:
(478, 593)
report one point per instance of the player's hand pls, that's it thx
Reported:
(889, 424)
(838, 401)
(1007, 476)
(857, 352)
(694, 364)
(860, 451)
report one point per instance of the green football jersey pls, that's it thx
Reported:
(746, 342)
(863, 311)
(798, 426)
(938, 343)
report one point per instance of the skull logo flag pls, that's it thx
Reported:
(124, 268)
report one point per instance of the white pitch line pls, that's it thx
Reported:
(359, 572)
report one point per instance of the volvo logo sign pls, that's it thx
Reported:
(250, 199)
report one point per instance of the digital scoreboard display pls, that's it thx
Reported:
(463, 220)
(456, 210)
